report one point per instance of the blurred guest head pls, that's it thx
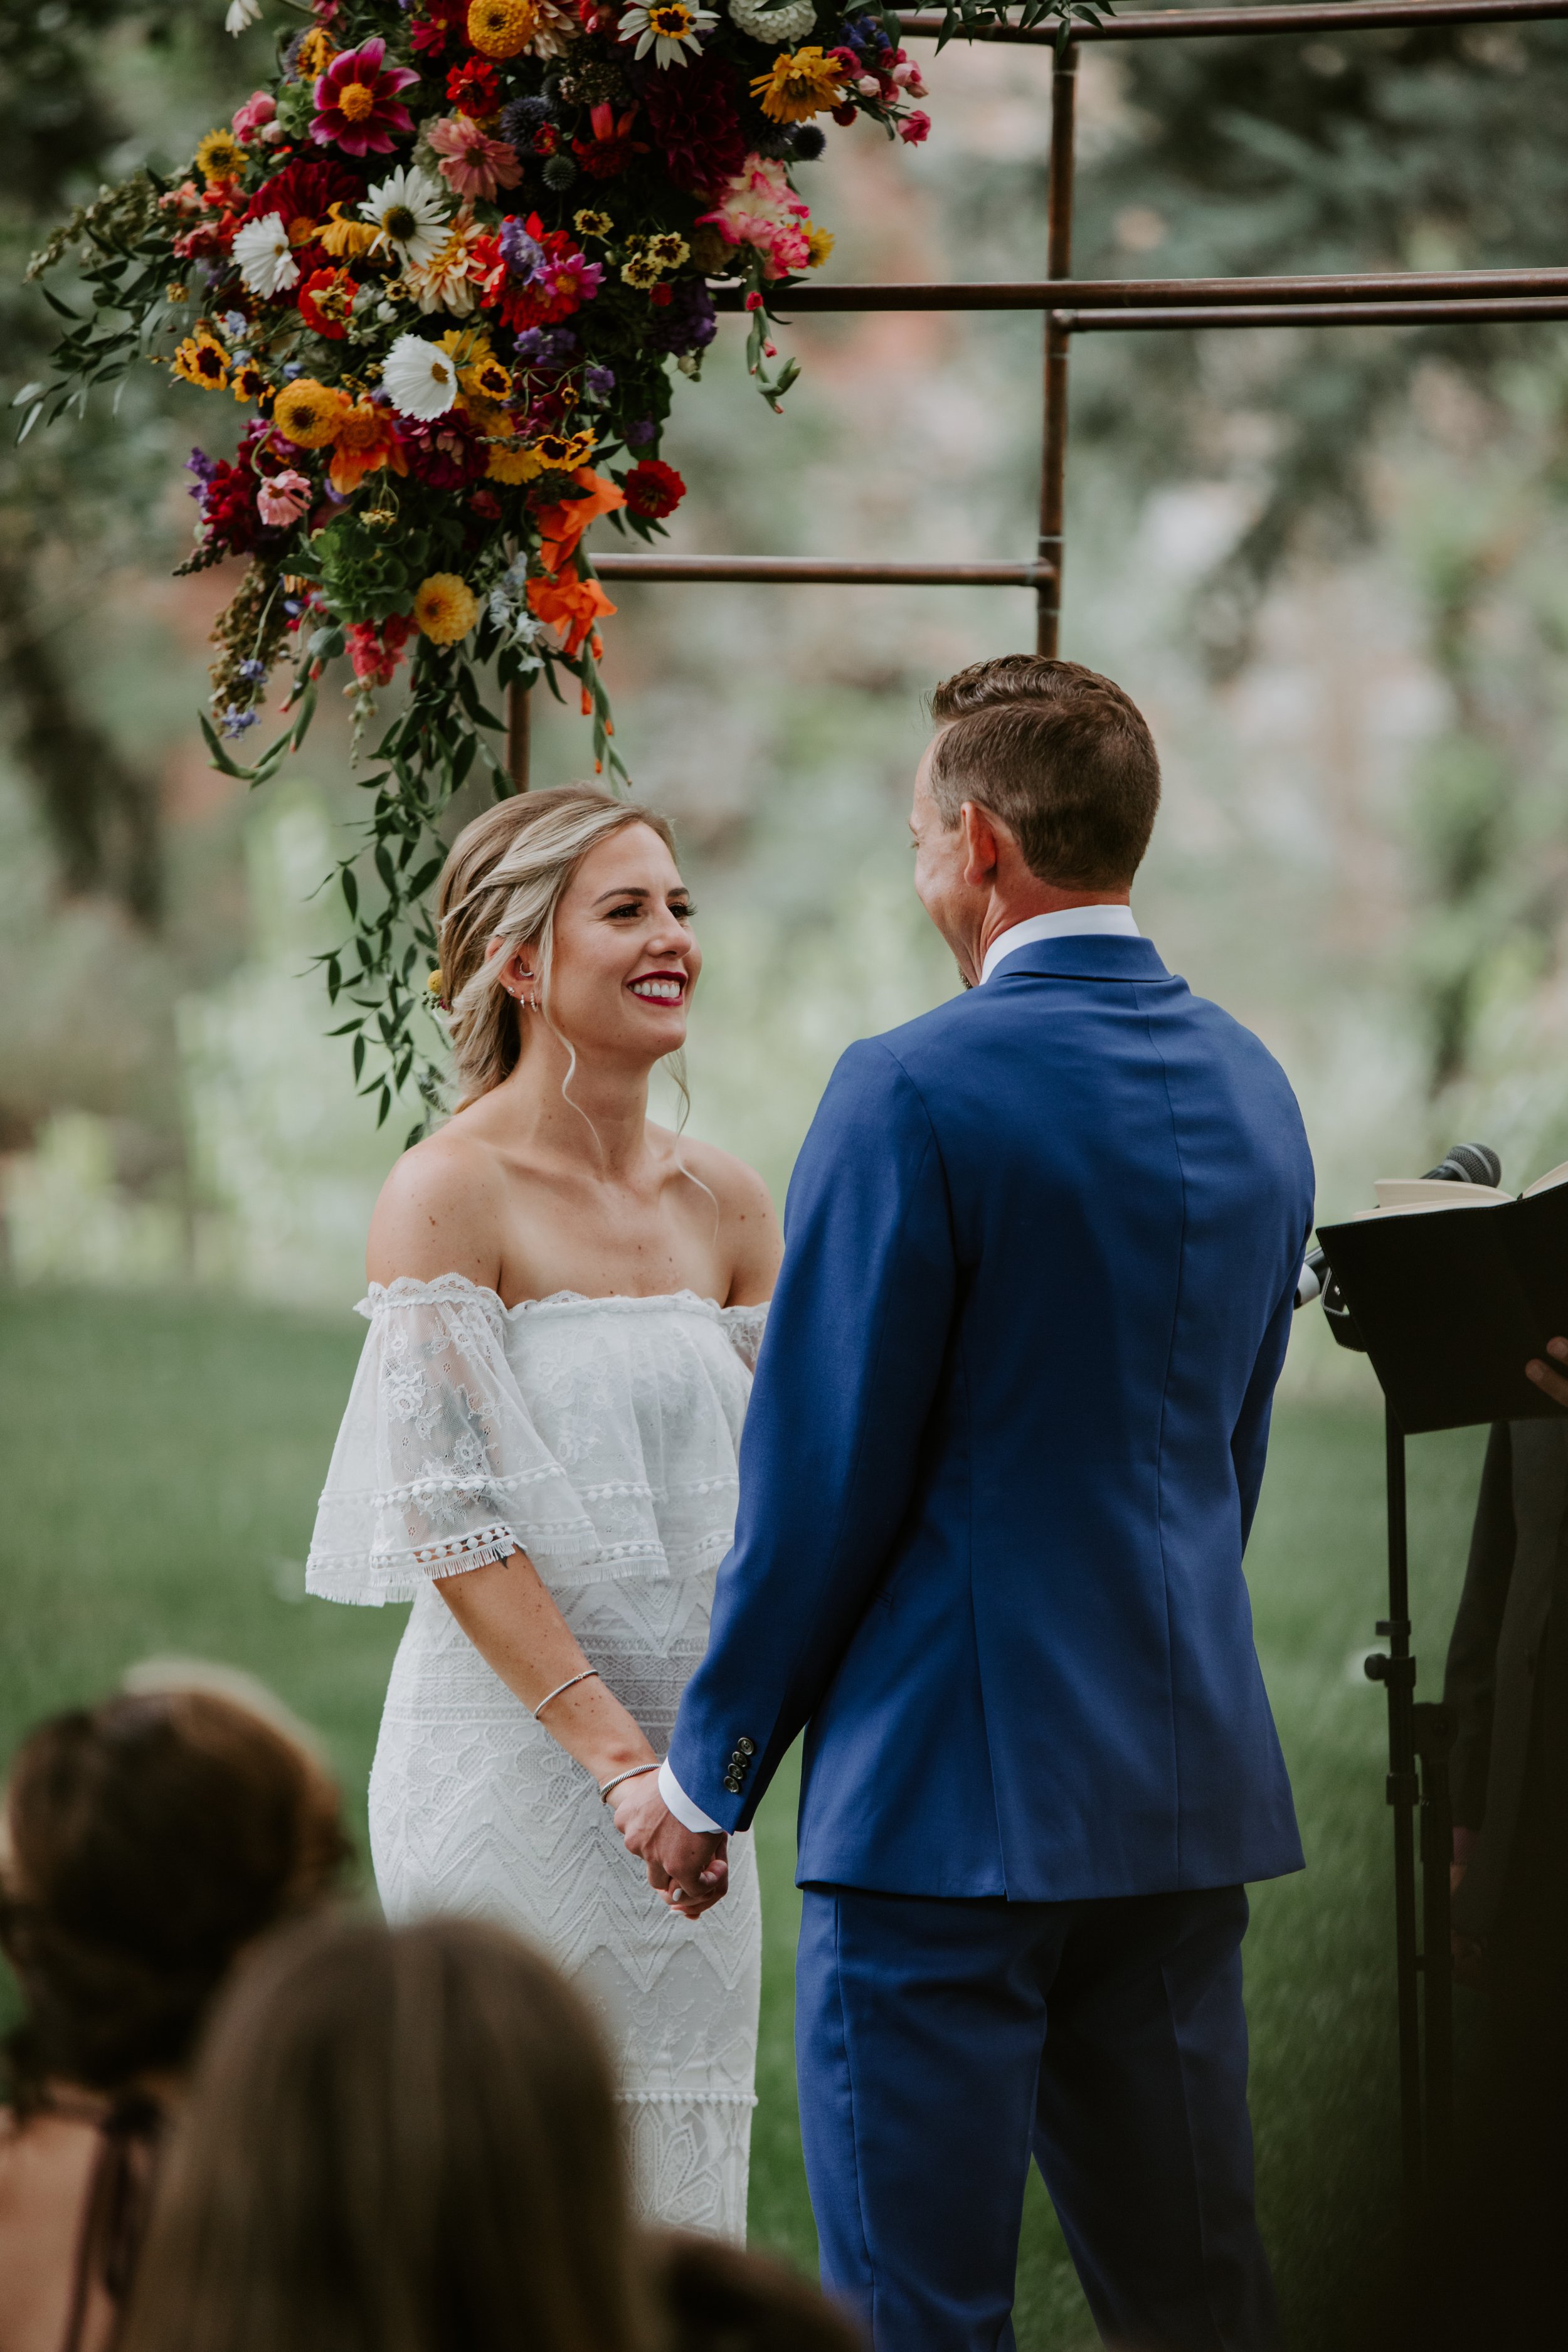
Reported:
(146, 1840)
(397, 2141)
(714, 2298)
(143, 1843)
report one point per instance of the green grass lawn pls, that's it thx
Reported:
(159, 1463)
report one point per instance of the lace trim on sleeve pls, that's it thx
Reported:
(743, 1328)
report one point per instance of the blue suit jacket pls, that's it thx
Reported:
(1005, 1446)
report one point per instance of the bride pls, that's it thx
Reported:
(540, 1451)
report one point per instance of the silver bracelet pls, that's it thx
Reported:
(635, 1773)
(587, 1675)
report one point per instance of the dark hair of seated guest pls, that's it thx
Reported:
(146, 1842)
(397, 2141)
(714, 2298)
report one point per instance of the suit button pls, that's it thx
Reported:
(732, 1783)
(745, 1746)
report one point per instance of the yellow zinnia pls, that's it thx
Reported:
(819, 243)
(511, 462)
(445, 608)
(219, 157)
(202, 358)
(796, 87)
(309, 414)
(499, 28)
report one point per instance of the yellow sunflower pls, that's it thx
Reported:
(499, 28)
(202, 358)
(820, 243)
(445, 608)
(219, 157)
(309, 414)
(799, 86)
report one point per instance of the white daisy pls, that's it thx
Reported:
(789, 21)
(418, 378)
(261, 248)
(241, 13)
(410, 210)
(668, 28)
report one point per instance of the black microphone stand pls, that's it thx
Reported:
(1420, 1735)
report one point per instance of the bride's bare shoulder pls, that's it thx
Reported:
(749, 1226)
(440, 1211)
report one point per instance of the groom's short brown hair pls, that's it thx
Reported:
(1060, 754)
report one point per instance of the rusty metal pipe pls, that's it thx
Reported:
(1057, 347)
(1314, 314)
(1123, 293)
(1197, 23)
(825, 570)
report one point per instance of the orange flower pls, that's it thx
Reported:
(571, 605)
(366, 440)
(563, 525)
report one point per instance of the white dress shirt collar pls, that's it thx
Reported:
(1114, 921)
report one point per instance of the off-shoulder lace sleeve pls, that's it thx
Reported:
(744, 1326)
(438, 1466)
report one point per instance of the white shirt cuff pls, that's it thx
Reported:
(689, 1816)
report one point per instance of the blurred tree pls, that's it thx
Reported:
(1433, 147)
(76, 501)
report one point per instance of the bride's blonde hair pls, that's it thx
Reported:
(506, 874)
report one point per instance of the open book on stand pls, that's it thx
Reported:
(1454, 1287)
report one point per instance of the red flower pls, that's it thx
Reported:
(472, 87)
(303, 194)
(447, 453)
(653, 490)
(358, 107)
(437, 18)
(914, 127)
(374, 651)
(325, 300)
(612, 146)
(695, 124)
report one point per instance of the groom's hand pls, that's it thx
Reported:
(690, 1869)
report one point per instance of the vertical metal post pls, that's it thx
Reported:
(1058, 264)
(1398, 1678)
(517, 736)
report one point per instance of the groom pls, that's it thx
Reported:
(1001, 1459)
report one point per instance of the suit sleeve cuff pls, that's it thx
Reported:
(689, 1816)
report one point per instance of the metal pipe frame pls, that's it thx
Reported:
(1161, 293)
(825, 570)
(1220, 23)
(1313, 314)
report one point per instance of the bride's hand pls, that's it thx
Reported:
(691, 1871)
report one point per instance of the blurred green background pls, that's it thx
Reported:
(1328, 566)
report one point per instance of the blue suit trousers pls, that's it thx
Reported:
(941, 2042)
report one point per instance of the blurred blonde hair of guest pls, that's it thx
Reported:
(144, 1842)
(397, 2141)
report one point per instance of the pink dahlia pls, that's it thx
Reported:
(357, 104)
(471, 164)
(757, 206)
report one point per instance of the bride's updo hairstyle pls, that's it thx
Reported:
(506, 874)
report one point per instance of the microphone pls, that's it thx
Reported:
(1464, 1163)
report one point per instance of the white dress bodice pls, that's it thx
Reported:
(599, 1437)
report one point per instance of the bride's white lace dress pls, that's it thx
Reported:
(599, 1437)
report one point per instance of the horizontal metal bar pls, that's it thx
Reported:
(1125, 293)
(824, 568)
(1315, 314)
(1197, 23)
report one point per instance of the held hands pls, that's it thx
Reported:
(690, 1870)
(1553, 1377)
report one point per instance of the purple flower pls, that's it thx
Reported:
(253, 671)
(687, 322)
(521, 253)
(203, 466)
(600, 382)
(545, 346)
(234, 721)
(639, 434)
